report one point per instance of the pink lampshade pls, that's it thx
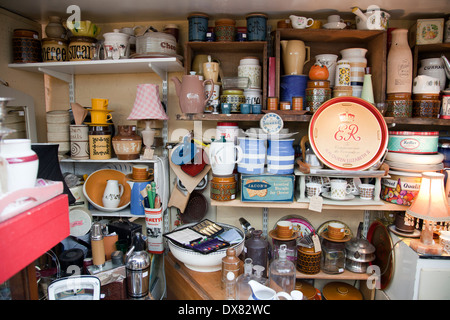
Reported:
(147, 104)
(431, 203)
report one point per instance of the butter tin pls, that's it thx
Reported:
(267, 188)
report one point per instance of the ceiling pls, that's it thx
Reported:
(106, 11)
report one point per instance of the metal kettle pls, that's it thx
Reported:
(137, 266)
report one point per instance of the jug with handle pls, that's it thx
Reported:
(295, 55)
(138, 193)
(261, 292)
(191, 93)
(223, 156)
(112, 194)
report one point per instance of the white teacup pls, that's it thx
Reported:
(335, 18)
(301, 22)
(340, 189)
(366, 191)
(313, 189)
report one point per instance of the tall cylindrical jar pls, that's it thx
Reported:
(358, 62)
(257, 248)
(399, 63)
(198, 26)
(256, 26)
(230, 263)
(99, 143)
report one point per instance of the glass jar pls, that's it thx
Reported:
(333, 257)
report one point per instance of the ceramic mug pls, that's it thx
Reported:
(340, 189)
(313, 189)
(337, 231)
(100, 116)
(284, 229)
(141, 172)
(301, 22)
(99, 104)
(366, 191)
(223, 156)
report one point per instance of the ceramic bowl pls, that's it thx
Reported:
(95, 185)
(205, 262)
(85, 29)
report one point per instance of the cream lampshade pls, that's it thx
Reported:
(147, 106)
(430, 205)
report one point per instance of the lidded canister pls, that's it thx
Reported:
(81, 48)
(26, 46)
(54, 50)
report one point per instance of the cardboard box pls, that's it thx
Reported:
(427, 31)
(267, 188)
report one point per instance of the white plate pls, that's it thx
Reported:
(415, 158)
(347, 196)
(265, 136)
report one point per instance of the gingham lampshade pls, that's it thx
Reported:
(147, 104)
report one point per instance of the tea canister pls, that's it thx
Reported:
(198, 26)
(26, 46)
(99, 143)
(54, 50)
(225, 29)
(223, 188)
(228, 130)
(233, 97)
(256, 26)
(81, 48)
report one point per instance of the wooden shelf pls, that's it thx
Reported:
(346, 275)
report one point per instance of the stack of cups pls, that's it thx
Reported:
(58, 123)
(254, 155)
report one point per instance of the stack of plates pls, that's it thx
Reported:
(415, 162)
(58, 124)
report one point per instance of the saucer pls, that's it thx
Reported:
(97, 124)
(334, 25)
(101, 110)
(346, 238)
(347, 196)
(130, 177)
(415, 234)
(273, 235)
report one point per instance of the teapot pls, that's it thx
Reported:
(373, 19)
(191, 93)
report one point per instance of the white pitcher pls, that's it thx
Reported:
(223, 156)
(261, 292)
(113, 193)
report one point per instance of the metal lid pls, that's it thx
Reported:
(361, 246)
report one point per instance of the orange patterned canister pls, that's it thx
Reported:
(223, 188)
(285, 105)
(225, 30)
(272, 103)
(308, 261)
(297, 103)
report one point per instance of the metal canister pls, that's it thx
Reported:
(137, 266)
(82, 48)
(54, 50)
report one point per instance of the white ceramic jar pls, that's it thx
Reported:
(249, 67)
(116, 45)
(18, 165)
(433, 67)
(253, 96)
(358, 62)
(329, 60)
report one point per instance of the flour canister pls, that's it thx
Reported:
(54, 50)
(413, 142)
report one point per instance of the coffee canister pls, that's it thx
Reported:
(225, 29)
(26, 46)
(54, 50)
(256, 26)
(81, 48)
(198, 26)
(99, 143)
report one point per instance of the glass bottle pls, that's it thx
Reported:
(230, 287)
(230, 263)
(258, 276)
(257, 248)
(282, 272)
(243, 288)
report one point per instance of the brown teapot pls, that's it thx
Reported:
(191, 93)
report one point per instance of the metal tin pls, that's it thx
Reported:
(425, 142)
(198, 26)
(272, 103)
(156, 42)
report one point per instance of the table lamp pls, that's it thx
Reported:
(147, 106)
(430, 205)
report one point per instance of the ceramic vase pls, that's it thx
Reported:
(127, 143)
(358, 62)
(54, 28)
(399, 63)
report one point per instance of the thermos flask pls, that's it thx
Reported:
(137, 266)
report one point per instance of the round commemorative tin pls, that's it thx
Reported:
(413, 142)
(271, 123)
(348, 133)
